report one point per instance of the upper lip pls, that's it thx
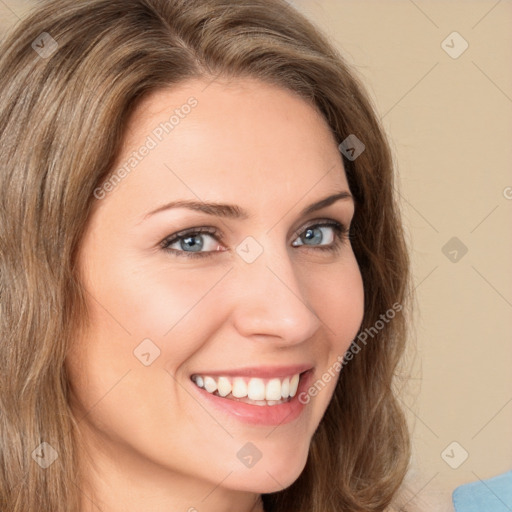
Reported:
(267, 372)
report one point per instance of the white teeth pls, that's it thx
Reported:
(294, 383)
(239, 387)
(224, 386)
(269, 392)
(210, 385)
(256, 389)
(285, 388)
(273, 390)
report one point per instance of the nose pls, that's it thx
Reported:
(269, 302)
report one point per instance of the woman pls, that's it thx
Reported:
(204, 280)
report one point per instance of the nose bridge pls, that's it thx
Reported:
(270, 299)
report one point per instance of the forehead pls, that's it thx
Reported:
(241, 140)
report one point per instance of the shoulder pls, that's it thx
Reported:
(491, 495)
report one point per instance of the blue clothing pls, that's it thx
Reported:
(492, 495)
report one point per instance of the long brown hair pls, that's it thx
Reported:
(70, 76)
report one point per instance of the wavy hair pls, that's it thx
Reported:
(63, 116)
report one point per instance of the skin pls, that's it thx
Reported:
(150, 445)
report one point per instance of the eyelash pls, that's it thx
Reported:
(341, 234)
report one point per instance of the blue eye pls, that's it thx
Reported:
(315, 235)
(191, 242)
(325, 236)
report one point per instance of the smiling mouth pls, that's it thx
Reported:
(254, 391)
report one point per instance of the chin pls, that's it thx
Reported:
(274, 475)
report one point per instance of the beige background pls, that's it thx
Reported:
(450, 122)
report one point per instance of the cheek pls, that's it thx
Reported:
(337, 295)
(167, 313)
(136, 300)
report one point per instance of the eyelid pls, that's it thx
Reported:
(320, 221)
(211, 230)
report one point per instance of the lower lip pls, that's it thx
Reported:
(261, 414)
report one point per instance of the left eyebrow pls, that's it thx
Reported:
(236, 212)
(323, 203)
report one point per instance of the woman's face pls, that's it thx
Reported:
(267, 290)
